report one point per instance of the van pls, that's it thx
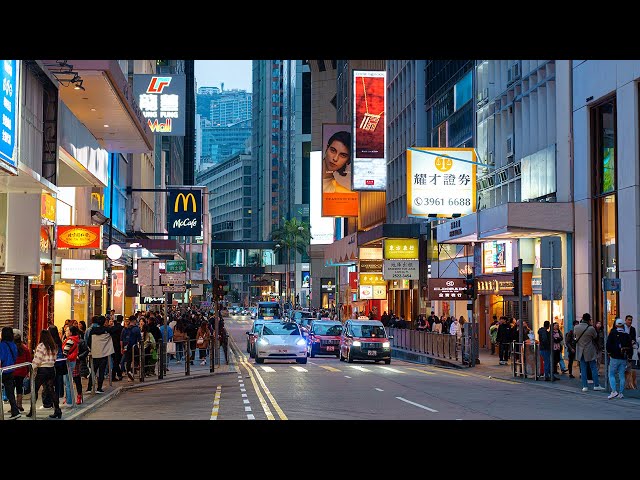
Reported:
(365, 340)
(269, 311)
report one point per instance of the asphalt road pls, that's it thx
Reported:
(327, 389)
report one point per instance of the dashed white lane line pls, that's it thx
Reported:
(417, 404)
(245, 400)
(379, 389)
(299, 369)
(347, 376)
(250, 416)
(216, 404)
(247, 409)
(243, 389)
(267, 369)
(357, 367)
(393, 370)
(244, 395)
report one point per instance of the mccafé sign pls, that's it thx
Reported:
(184, 212)
(79, 236)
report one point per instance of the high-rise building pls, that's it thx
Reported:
(218, 143)
(230, 107)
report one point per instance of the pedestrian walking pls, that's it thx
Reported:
(503, 337)
(586, 351)
(44, 360)
(203, 337)
(557, 342)
(620, 349)
(101, 347)
(570, 342)
(70, 350)
(8, 356)
(544, 341)
(115, 331)
(493, 334)
(130, 337)
(20, 373)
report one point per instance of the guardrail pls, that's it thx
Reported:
(31, 383)
(437, 345)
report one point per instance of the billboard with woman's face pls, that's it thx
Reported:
(338, 200)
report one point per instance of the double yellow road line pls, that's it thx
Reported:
(257, 382)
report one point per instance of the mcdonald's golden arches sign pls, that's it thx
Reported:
(184, 212)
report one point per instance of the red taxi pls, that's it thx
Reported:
(365, 340)
(324, 338)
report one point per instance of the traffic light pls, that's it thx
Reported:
(218, 287)
(470, 284)
(516, 281)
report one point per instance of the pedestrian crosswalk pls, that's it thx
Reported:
(311, 368)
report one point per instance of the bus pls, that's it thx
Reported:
(269, 311)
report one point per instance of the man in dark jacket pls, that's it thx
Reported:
(504, 340)
(115, 331)
(620, 350)
(544, 339)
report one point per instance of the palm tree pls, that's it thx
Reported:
(294, 235)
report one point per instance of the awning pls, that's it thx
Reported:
(510, 220)
(27, 181)
(106, 105)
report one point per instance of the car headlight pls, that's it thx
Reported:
(386, 345)
(263, 341)
(301, 342)
(356, 343)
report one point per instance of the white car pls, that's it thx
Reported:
(281, 341)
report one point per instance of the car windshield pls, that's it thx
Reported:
(320, 329)
(256, 327)
(368, 331)
(269, 311)
(287, 328)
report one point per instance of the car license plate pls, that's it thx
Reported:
(373, 353)
(282, 351)
(329, 348)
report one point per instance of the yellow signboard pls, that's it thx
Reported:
(401, 248)
(371, 279)
(48, 207)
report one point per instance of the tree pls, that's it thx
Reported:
(295, 236)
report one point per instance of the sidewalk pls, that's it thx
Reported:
(490, 367)
(175, 372)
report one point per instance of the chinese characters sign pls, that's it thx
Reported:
(447, 289)
(401, 248)
(369, 130)
(162, 101)
(440, 183)
(79, 236)
(371, 279)
(9, 76)
(401, 269)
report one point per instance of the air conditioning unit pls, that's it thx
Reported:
(510, 146)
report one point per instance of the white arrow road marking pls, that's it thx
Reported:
(417, 404)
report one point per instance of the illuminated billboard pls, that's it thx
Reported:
(441, 182)
(497, 256)
(369, 130)
(338, 200)
(162, 101)
(321, 228)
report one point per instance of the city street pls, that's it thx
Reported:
(327, 389)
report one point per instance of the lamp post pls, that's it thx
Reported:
(295, 267)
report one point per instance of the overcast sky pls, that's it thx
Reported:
(233, 73)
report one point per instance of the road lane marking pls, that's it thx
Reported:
(243, 389)
(357, 367)
(263, 402)
(247, 409)
(421, 371)
(380, 390)
(245, 400)
(244, 395)
(267, 369)
(331, 369)
(216, 404)
(268, 393)
(504, 381)
(393, 370)
(417, 404)
(445, 370)
(347, 376)
(250, 416)
(252, 370)
(299, 369)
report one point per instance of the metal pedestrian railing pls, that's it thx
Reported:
(438, 345)
(525, 359)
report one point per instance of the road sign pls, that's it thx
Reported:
(174, 288)
(611, 284)
(175, 266)
(551, 287)
(173, 278)
(545, 252)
